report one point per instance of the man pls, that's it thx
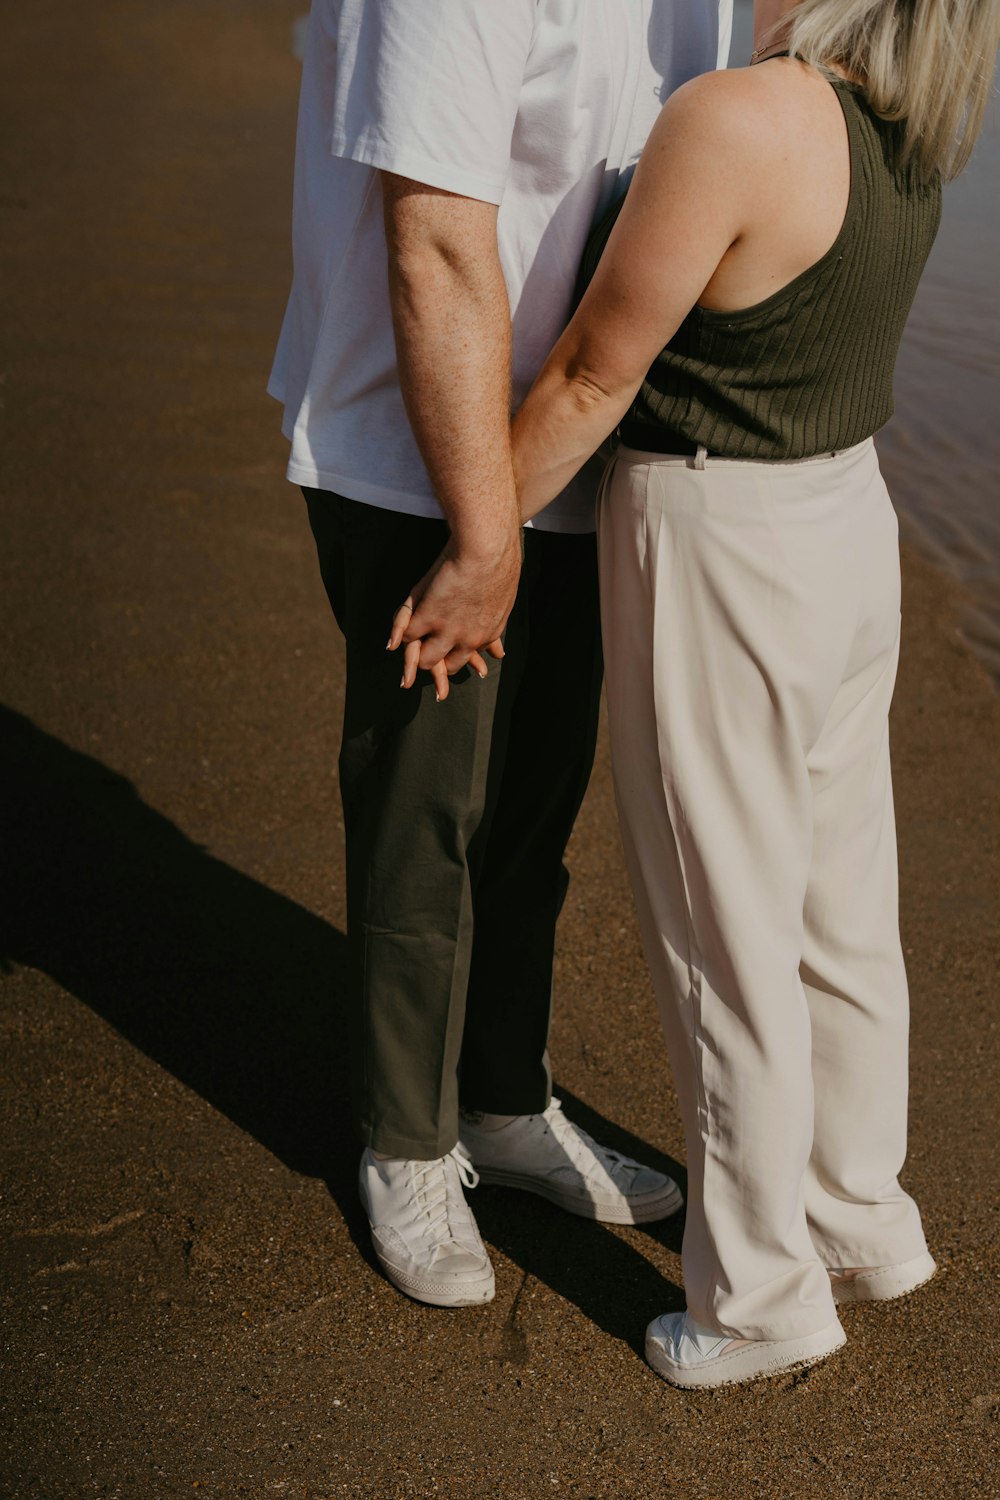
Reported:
(451, 157)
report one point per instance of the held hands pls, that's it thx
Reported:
(458, 609)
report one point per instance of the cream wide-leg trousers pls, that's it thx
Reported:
(751, 629)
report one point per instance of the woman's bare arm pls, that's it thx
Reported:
(690, 201)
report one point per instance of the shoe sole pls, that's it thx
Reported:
(661, 1206)
(758, 1361)
(470, 1292)
(885, 1283)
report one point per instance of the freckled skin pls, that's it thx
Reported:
(743, 185)
(451, 317)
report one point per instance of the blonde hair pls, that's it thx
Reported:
(926, 63)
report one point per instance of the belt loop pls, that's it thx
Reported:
(700, 456)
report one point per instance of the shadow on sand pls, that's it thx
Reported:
(237, 991)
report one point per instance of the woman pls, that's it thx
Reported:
(742, 326)
(743, 321)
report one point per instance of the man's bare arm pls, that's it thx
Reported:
(451, 316)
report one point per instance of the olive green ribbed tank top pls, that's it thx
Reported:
(808, 370)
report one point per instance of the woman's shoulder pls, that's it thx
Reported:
(749, 106)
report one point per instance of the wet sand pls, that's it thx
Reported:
(189, 1305)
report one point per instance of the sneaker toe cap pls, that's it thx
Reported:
(648, 1183)
(450, 1259)
(459, 1260)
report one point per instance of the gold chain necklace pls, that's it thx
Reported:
(759, 53)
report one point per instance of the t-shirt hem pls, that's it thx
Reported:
(447, 176)
(407, 504)
(352, 488)
(564, 525)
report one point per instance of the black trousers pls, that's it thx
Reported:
(456, 817)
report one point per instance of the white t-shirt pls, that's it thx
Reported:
(539, 106)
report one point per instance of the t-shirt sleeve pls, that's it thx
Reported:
(429, 89)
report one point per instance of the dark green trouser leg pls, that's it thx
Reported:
(550, 730)
(419, 781)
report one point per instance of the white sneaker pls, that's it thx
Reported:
(423, 1231)
(549, 1155)
(880, 1283)
(694, 1357)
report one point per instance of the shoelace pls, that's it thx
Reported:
(430, 1189)
(582, 1150)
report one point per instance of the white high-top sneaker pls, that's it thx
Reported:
(549, 1155)
(423, 1231)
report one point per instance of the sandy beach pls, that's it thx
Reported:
(189, 1303)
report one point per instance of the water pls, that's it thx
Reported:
(941, 451)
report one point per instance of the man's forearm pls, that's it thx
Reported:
(452, 323)
(453, 337)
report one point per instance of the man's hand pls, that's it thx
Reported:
(458, 607)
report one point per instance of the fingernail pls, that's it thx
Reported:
(388, 644)
(402, 682)
(437, 697)
(482, 675)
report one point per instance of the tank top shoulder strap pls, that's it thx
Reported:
(853, 106)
